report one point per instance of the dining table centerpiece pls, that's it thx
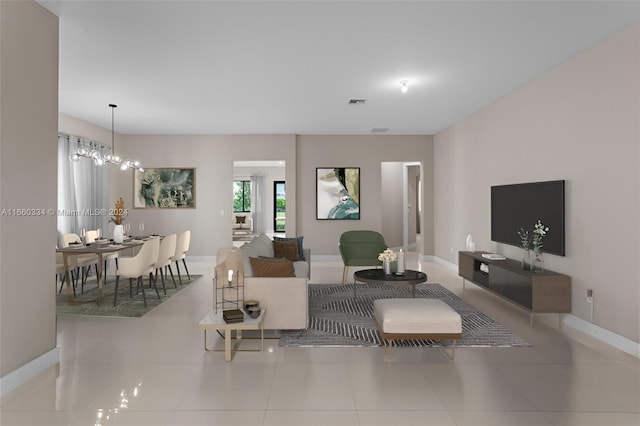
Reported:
(387, 257)
(117, 217)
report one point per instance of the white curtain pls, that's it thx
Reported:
(83, 188)
(257, 203)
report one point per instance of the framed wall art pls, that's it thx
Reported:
(164, 188)
(338, 193)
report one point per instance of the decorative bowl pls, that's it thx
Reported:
(254, 311)
(250, 304)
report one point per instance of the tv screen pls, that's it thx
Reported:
(521, 205)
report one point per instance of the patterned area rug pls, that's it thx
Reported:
(338, 319)
(126, 307)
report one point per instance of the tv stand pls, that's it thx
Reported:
(536, 292)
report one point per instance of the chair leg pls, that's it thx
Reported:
(151, 279)
(185, 268)
(61, 282)
(344, 274)
(162, 278)
(172, 277)
(141, 286)
(178, 269)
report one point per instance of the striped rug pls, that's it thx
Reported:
(338, 319)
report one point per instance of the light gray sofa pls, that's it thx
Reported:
(286, 299)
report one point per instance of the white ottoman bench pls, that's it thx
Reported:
(409, 319)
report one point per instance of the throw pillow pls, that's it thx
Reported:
(241, 219)
(299, 241)
(272, 267)
(288, 249)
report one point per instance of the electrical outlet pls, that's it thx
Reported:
(589, 296)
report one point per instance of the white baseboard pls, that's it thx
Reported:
(445, 263)
(586, 327)
(602, 334)
(201, 259)
(23, 374)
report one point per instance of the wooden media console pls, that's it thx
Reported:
(536, 292)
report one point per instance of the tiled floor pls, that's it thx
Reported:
(158, 365)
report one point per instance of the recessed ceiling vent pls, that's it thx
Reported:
(357, 101)
(380, 130)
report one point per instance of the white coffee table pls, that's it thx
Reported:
(214, 321)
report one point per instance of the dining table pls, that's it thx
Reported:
(99, 248)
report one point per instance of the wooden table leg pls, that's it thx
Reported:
(65, 260)
(99, 279)
(227, 345)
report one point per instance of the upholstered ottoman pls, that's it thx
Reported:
(409, 319)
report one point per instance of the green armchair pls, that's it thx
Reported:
(360, 248)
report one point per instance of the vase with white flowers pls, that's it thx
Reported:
(387, 257)
(525, 243)
(539, 232)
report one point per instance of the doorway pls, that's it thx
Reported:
(260, 176)
(401, 193)
(279, 207)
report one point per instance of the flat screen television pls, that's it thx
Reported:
(521, 205)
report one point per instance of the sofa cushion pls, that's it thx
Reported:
(265, 245)
(298, 240)
(288, 249)
(273, 267)
(301, 268)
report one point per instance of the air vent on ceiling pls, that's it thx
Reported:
(379, 130)
(357, 101)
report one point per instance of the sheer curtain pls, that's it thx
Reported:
(257, 203)
(83, 188)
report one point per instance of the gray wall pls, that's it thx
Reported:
(577, 122)
(28, 174)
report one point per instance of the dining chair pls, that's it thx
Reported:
(166, 252)
(60, 271)
(91, 236)
(182, 247)
(138, 266)
(82, 261)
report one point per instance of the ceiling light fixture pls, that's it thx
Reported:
(404, 86)
(111, 157)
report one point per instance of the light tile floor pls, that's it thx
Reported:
(158, 365)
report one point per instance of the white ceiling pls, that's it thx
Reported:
(243, 67)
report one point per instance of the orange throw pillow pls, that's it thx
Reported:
(288, 249)
(272, 267)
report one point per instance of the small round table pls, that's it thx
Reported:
(377, 276)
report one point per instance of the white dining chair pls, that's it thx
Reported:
(91, 236)
(182, 247)
(166, 252)
(137, 267)
(82, 261)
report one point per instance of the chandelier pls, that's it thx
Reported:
(109, 158)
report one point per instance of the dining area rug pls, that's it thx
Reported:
(337, 318)
(85, 304)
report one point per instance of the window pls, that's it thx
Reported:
(279, 206)
(241, 196)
